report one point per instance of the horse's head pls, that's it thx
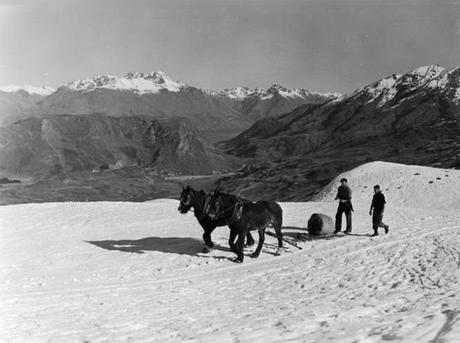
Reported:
(185, 200)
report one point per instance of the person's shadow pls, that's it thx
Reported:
(177, 245)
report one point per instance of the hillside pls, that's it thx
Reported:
(411, 118)
(16, 102)
(65, 143)
(403, 185)
(116, 272)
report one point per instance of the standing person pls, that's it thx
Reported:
(345, 206)
(378, 206)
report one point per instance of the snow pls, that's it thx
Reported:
(385, 89)
(266, 97)
(241, 93)
(119, 272)
(405, 185)
(457, 94)
(429, 71)
(238, 93)
(39, 90)
(431, 77)
(140, 83)
(154, 82)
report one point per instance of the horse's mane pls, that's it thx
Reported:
(232, 197)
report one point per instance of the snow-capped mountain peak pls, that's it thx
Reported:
(428, 71)
(242, 93)
(238, 93)
(38, 90)
(426, 77)
(385, 89)
(422, 75)
(140, 83)
(156, 81)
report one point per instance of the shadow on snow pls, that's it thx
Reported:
(192, 246)
(176, 245)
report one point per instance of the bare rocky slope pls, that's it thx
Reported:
(411, 118)
(14, 104)
(65, 143)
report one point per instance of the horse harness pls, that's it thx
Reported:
(205, 210)
(237, 215)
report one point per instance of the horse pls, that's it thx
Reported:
(199, 200)
(242, 217)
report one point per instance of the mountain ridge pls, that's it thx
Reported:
(219, 114)
(412, 119)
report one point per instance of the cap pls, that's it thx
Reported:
(343, 180)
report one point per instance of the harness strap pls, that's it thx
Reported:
(204, 211)
(237, 213)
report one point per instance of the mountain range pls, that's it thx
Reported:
(411, 118)
(289, 142)
(218, 114)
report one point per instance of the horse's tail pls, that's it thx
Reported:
(275, 211)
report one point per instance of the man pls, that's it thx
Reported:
(345, 206)
(378, 206)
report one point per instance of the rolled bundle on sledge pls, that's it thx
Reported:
(320, 224)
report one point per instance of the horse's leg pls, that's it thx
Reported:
(239, 247)
(256, 253)
(279, 235)
(208, 244)
(249, 239)
(231, 240)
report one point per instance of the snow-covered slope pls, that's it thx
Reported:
(140, 83)
(242, 93)
(37, 90)
(154, 82)
(430, 77)
(403, 185)
(119, 272)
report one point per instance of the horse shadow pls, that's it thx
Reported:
(176, 245)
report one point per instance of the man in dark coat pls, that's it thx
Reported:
(345, 206)
(377, 208)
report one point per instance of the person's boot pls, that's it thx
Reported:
(387, 229)
(376, 233)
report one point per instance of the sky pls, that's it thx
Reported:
(324, 45)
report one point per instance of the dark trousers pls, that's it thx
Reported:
(344, 207)
(377, 218)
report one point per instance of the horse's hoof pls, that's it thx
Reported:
(207, 249)
(238, 260)
(254, 255)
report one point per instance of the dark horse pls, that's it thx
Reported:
(242, 217)
(199, 201)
